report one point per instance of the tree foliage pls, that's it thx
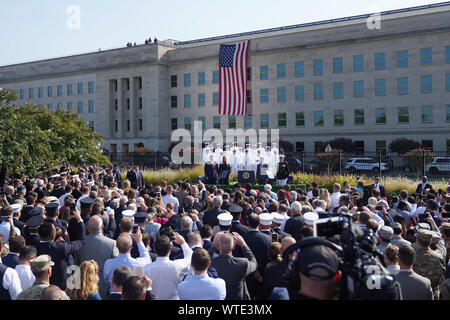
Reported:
(34, 139)
(403, 145)
(342, 144)
(286, 146)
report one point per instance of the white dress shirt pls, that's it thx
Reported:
(79, 201)
(170, 198)
(62, 198)
(26, 277)
(125, 259)
(165, 274)
(202, 287)
(334, 200)
(11, 282)
(5, 229)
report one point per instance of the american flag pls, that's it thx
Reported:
(233, 78)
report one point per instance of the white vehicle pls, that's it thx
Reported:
(439, 164)
(364, 164)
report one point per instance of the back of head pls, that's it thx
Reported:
(206, 231)
(253, 221)
(296, 207)
(6, 211)
(121, 274)
(52, 293)
(47, 231)
(27, 253)
(200, 260)
(95, 224)
(406, 255)
(133, 288)
(16, 244)
(364, 217)
(162, 246)
(124, 243)
(194, 239)
(186, 223)
(217, 201)
(126, 225)
(226, 243)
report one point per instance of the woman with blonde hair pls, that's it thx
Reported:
(88, 289)
(325, 195)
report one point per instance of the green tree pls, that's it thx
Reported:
(34, 139)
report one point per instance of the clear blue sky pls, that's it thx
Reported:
(37, 29)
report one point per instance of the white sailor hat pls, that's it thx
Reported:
(225, 218)
(265, 219)
(128, 214)
(55, 176)
(310, 217)
(16, 207)
(277, 218)
(53, 199)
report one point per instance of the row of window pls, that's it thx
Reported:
(128, 125)
(426, 86)
(127, 103)
(59, 91)
(402, 61)
(126, 82)
(403, 116)
(70, 106)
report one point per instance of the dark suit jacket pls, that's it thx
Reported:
(234, 271)
(259, 243)
(19, 224)
(59, 253)
(24, 216)
(382, 190)
(10, 260)
(211, 173)
(262, 179)
(207, 244)
(414, 286)
(419, 187)
(210, 217)
(239, 228)
(273, 277)
(293, 226)
(281, 234)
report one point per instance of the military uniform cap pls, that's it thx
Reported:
(16, 207)
(35, 221)
(386, 232)
(140, 216)
(41, 263)
(435, 237)
(235, 209)
(423, 226)
(265, 219)
(445, 226)
(424, 235)
(281, 155)
(52, 206)
(53, 199)
(86, 202)
(277, 218)
(225, 218)
(128, 213)
(35, 212)
(21, 188)
(310, 217)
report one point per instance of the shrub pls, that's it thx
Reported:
(403, 145)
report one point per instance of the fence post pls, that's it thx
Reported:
(303, 161)
(423, 163)
(379, 162)
(340, 163)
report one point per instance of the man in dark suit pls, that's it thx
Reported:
(234, 270)
(116, 173)
(413, 286)
(206, 234)
(296, 222)
(379, 187)
(210, 216)
(51, 214)
(211, 168)
(277, 221)
(421, 187)
(119, 276)
(236, 225)
(136, 177)
(16, 244)
(59, 252)
(259, 243)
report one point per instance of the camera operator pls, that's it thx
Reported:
(317, 266)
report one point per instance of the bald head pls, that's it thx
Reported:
(95, 224)
(286, 243)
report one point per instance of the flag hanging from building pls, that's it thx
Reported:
(233, 78)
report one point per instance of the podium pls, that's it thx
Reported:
(246, 176)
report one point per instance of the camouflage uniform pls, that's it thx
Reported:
(444, 290)
(429, 263)
(33, 293)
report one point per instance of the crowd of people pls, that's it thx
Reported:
(146, 42)
(90, 235)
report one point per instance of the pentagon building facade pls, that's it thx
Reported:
(315, 82)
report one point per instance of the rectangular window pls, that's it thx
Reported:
(22, 94)
(338, 117)
(173, 101)
(318, 91)
(447, 54)
(174, 123)
(139, 83)
(127, 81)
(187, 100)
(380, 115)
(447, 82)
(31, 93)
(380, 87)
(201, 99)
(50, 106)
(426, 84)
(215, 77)
(447, 108)
(402, 85)
(201, 78)
(80, 106)
(264, 95)
(115, 84)
(380, 61)
(40, 92)
(359, 116)
(263, 72)
(231, 122)
(128, 125)
(281, 70)
(402, 59)
(216, 122)
(187, 79)
(215, 99)
(282, 120)
(187, 123)
(281, 94)
(299, 69)
(318, 118)
(128, 103)
(249, 73)
(299, 146)
(69, 106)
(59, 90)
(299, 119)
(173, 81)
(338, 65)
(318, 67)
(358, 63)
(299, 93)
(59, 106)
(91, 86)
(203, 121)
(91, 125)
(403, 115)
(338, 90)
(264, 120)
(140, 124)
(116, 104)
(248, 121)
(116, 125)
(91, 106)
(69, 89)
(80, 88)
(358, 89)
(249, 96)
(427, 113)
(426, 56)
(140, 102)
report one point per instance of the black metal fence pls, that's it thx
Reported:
(145, 160)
